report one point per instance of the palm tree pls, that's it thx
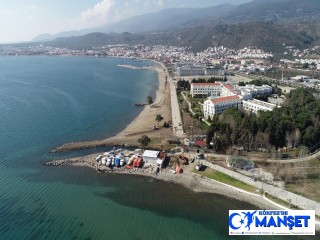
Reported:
(159, 118)
(150, 100)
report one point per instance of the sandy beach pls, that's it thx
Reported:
(141, 125)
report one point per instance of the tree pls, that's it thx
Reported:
(305, 65)
(144, 140)
(159, 118)
(166, 125)
(150, 100)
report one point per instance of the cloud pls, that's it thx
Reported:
(99, 14)
(159, 3)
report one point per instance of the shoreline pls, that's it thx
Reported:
(187, 179)
(140, 125)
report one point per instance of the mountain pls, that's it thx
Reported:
(167, 18)
(164, 19)
(276, 11)
(279, 11)
(265, 35)
(265, 24)
(49, 37)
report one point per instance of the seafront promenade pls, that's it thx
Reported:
(175, 110)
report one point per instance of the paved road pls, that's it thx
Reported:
(295, 160)
(176, 115)
(287, 196)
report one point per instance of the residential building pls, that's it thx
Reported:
(255, 105)
(215, 106)
(205, 89)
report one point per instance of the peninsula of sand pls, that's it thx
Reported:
(141, 125)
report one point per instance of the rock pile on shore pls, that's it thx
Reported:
(89, 161)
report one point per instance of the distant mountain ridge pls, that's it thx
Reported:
(276, 11)
(265, 35)
(162, 20)
(279, 11)
(266, 24)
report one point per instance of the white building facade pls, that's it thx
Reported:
(255, 105)
(256, 90)
(191, 71)
(205, 89)
(215, 106)
(215, 71)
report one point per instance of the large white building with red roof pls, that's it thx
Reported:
(218, 105)
(205, 89)
(223, 96)
(229, 90)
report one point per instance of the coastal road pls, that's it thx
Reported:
(175, 109)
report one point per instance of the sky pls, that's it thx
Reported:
(22, 20)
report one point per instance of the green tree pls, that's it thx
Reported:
(166, 125)
(144, 140)
(159, 118)
(150, 100)
(305, 65)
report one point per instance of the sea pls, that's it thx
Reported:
(46, 101)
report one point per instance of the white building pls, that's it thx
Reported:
(205, 89)
(215, 106)
(257, 90)
(191, 71)
(155, 157)
(245, 94)
(228, 90)
(210, 71)
(255, 105)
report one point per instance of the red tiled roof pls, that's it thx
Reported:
(206, 84)
(228, 86)
(200, 143)
(225, 99)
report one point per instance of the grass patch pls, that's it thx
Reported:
(155, 141)
(277, 200)
(221, 177)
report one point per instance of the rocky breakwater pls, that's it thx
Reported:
(79, 161)
(90, 161)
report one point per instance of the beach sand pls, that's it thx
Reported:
(141, 125)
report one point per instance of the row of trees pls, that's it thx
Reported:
(210, 80)
(185, 84)
(296, 123)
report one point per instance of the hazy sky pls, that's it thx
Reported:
(22, 20)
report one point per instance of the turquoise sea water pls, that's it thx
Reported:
(47, 101)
